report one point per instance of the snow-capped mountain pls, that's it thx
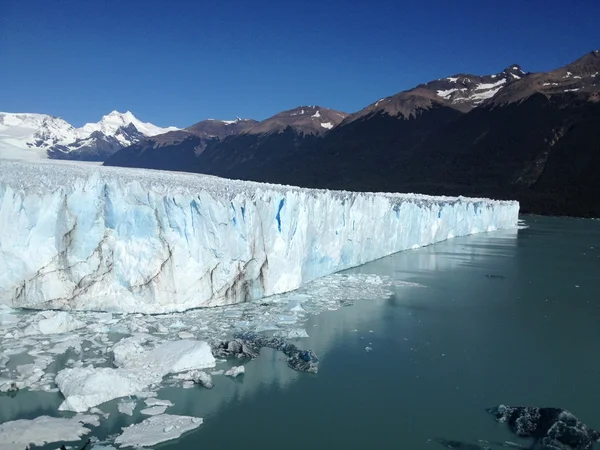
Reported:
(113, 122)
(28, 136)
(35, 136)
(462, 92)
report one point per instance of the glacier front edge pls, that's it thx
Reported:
(129, 240)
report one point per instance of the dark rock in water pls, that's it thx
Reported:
(234, 347)
(552, 428)
(248, 345)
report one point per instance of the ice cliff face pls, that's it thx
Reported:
(101, 238)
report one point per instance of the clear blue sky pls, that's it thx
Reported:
(176, 62)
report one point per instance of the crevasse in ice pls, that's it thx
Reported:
(98, 238)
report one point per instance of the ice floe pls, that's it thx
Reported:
(86, 387)
(126, 407)
(235, 371)
(18, 434)
(157, 429)
(154, 410)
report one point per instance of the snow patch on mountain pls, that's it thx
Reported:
(231, 122)
(475, 90)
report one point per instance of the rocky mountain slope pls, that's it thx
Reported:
(231, 148)
(536, 139)
(178, 150)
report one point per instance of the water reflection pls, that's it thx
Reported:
(437, 267)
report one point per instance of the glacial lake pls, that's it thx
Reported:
(510, 317)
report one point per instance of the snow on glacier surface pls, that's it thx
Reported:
(98, 238)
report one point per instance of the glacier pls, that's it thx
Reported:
(83, 237)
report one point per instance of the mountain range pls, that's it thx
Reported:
(513, 134)
(34, 136)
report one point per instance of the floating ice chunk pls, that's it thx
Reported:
(130, 348)
(30, 374)
(295, 303)
(126, 407)
(14, 351)
(18, 434)
(170, 357)
(196, 377)
(53, 322)
(298, 308)
(156, 429)
(202, 378)
(153, 401)
(368, 349)
(86, 387)
(235, 371)
(146, 394)
(266, 326)
(99, 412)
(286, 319)
(177, 324)
(154, 410)
(295, 333)
(66, 342)
(186, 335)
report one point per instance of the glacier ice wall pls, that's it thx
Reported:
(98, 238)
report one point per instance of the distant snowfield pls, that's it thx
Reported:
(81, 237)
(28, 136)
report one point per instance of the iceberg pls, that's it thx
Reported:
(22, 433)
(53, 322)
(235, 371)
(137, 368)
(157, 429)
(170, 357)
(83, 237)
(126, 407)
(86, 387)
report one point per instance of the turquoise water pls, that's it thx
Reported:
(509, 317)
